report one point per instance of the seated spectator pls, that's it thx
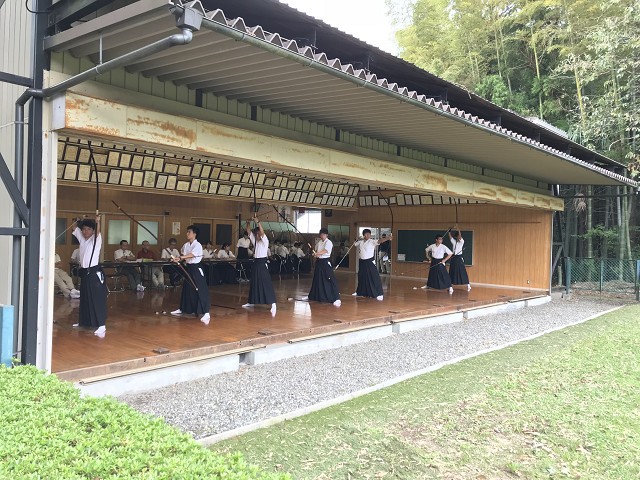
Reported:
(122, 255)
(63, 280)
(171, 252)
(157, 277)
(208, 252)
(224, 252)
(226, 270)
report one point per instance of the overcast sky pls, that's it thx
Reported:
(364, 19)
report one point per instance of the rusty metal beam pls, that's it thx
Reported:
(101, 117)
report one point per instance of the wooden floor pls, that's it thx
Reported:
(135, 330)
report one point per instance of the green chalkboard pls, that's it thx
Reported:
(412, 243)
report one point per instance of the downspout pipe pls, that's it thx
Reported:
(189, 21)
(177, 39)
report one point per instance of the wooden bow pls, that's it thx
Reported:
(184, 270)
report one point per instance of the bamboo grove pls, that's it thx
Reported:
(572, 63)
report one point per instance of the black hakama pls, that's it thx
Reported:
(93, 297)
(305, 265)
(287, 265)
(273, 265)
(260, 287)
(438, 275)
(192, 301)
(227, 273)
(369, 283)
(324, 287)
(457, 271)
(243, 254)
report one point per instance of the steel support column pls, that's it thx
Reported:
(34, 195)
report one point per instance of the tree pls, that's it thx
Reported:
(573, 62)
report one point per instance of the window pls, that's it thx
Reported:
(142, 234)
(309, 222)
(118, 230)
(61, 231)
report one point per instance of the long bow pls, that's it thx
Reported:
(294, 227)
(386, 201)
(184, 270)
(95, 171)
(255, 202)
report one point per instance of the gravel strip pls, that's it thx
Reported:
(254, 393)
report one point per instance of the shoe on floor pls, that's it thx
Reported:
(305, 298)
(74, 295)
(177, 312)
(337, 303)
(380, 297)
(140, 287)
(273, 308)
(469, 288)
(205, 319)
(247, 305)
(450, 290)
(354, 294)
(75, 325)
(101, 331)
(77, 292)
(424, 287)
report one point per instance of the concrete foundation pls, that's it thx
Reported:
(273, 353)
(420, 323)
(151, 379)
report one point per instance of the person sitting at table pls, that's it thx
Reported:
(227, 271)
(171, 252)
(122, 255)
(63, 280)
(157, 277)
(225, 253)
(209, 252)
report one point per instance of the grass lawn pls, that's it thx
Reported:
(566, 405)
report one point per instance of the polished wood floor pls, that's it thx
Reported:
(135, 330)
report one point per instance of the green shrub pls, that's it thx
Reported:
(48, 431)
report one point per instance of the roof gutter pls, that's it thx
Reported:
(312, 62)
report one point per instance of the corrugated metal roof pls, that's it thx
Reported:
(276, 16)
(262, 68)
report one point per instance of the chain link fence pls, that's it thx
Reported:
(609, 275)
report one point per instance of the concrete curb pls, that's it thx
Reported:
(212, 439)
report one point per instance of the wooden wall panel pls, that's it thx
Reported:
(511, 245)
